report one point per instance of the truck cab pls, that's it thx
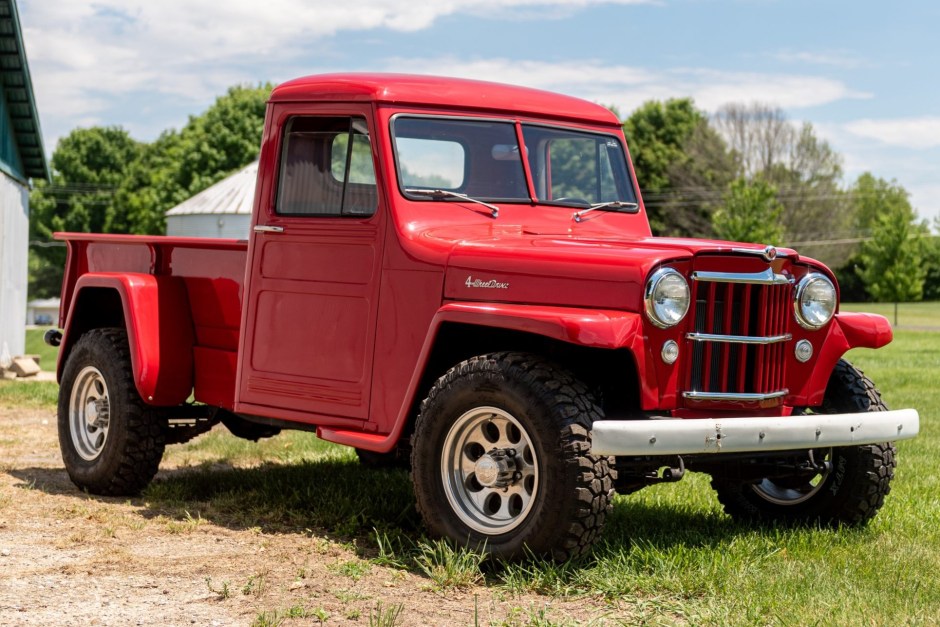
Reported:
(459, 277)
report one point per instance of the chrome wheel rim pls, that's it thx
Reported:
(490, 470)
(792, 492)
(89, 413)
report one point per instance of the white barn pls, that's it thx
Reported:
(222, 210)
(21, 159)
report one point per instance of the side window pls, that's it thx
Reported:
(326, 168)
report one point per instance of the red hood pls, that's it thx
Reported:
(517, 264)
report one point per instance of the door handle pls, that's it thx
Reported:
(269, 229)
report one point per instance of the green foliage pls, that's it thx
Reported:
(449, 567)
(673, 147)
(806, 171)
(892, 260)
(751, 213)
(103, 181)
(385, 615)
(87, 167)
(932, 266)
(180, 164)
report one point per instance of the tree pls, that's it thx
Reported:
(806, 171)
(891, 260)
(87, 167)
(751, 213)
(103, 181)
(680, 162)
(180, 164)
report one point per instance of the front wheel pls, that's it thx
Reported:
(111, 441)
(501, 459)
(850, 485)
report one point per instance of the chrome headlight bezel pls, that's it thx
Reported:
(657, 310)
(806, 296)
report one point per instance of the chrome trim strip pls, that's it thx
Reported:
(767, 277)
(732, 396)
(769, 253)
(738, 339)
(750, 434)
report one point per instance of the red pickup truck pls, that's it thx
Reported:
(459, 277)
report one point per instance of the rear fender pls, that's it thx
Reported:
(159, 327)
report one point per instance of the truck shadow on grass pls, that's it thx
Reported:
(343, 501)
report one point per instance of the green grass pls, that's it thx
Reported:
(35, 346)
(28, 394)
(669, 554)
(918, 316)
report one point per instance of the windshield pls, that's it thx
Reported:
(573, 167)
(481, 159)
(477, 158)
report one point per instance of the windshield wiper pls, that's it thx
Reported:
(443, 193)
(631, 207)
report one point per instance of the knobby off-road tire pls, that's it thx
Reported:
(501, 459)
(850, 493)
(111, 441)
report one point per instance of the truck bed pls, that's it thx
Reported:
(212, 272)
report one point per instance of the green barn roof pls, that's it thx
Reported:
(21, 151)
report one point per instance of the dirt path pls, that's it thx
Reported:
(67, 558)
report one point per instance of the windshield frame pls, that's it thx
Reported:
(629, 180)
(518, 126)
(403, 189)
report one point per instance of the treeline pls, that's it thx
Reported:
(746, 173)
(104, 181)
(749, 174)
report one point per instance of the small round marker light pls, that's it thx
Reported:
(803, 351)
(670, 352)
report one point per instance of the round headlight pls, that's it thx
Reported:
(815, 301)
(667, 298)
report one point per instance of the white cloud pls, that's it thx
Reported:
(86, 56)
(627, 87)
(917, 132)
(843, 59)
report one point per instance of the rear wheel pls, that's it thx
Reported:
(848, 485)
(111, 441)
(501, 459)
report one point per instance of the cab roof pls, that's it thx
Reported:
(440, 92)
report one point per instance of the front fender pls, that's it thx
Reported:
(596, 328)
(585, 327)
(848, 330)
(159, 330)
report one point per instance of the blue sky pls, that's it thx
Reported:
(863, 73)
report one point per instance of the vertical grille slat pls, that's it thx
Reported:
(727, 329)
(740, 366)
(732, 313)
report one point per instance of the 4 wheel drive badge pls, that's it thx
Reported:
(491, 284)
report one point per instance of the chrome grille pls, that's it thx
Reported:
(740, 330)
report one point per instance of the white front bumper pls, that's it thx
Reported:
(674, 436)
